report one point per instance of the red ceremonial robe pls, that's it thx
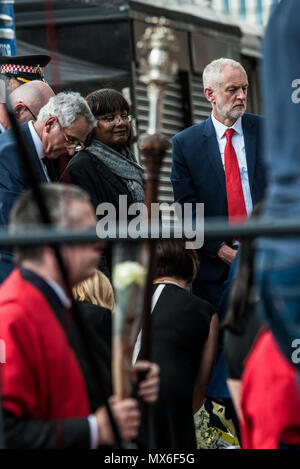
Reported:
(41, 377)
(270, 398)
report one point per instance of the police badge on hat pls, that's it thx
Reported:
(24, 68)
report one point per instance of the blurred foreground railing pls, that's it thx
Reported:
(214, 229)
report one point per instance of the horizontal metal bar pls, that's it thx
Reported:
(218, 229)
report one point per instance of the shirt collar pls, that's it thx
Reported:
(36, 140)
(60, 293)
(46, 286)
(221, 128)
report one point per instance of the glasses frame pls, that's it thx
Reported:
(77, 146)
(30, 111)
(116, 119)
(69, 145)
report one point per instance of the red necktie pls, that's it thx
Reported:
(235, 196)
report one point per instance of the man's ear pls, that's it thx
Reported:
(50, 123)
(19, 109)
(210, 95)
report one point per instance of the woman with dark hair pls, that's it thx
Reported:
(107, 168)
(185, 331)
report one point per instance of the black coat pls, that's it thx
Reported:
(88, 172)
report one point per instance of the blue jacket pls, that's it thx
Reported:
(13, 182)
(198, 176)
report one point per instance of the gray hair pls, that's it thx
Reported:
(25, 213)
(67, 107)
(212, 72)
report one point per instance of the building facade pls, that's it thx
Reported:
(251, 11)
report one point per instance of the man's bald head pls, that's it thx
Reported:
(28, 99)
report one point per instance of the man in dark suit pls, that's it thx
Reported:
(218, 163)
(61, 126)
(53, 379)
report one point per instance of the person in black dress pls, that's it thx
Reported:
(185, 330)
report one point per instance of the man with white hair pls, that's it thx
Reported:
(218, 163)
(61, 127)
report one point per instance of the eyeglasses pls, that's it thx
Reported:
(72, 143)
(34, 117)
(111, 119)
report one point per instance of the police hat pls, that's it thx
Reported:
(24, 68)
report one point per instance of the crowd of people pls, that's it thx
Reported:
(224, 318)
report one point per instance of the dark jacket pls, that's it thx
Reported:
(88, 172)
(198, 176)
(14, 181)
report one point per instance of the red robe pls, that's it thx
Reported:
(41, 377)
(270, 398)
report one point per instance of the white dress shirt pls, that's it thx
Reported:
(238, 143)
(38, 147)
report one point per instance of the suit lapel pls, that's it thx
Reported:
(37, 165)
(212, 152)
(250, 138)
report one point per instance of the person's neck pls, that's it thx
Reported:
(225, 121)
(117, 148)
(46, 271)
(171, 280)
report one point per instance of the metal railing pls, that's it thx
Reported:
(218, 228)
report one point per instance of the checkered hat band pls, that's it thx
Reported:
(20, 68)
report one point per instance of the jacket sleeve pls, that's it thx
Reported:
(20, 388)
(24, 433)
(82, 175)
(185, 190)
(182, 181)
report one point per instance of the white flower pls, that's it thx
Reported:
(126, 273)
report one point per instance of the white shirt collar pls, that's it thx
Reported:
(221, 128)
(36, 140)
(60, 293)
